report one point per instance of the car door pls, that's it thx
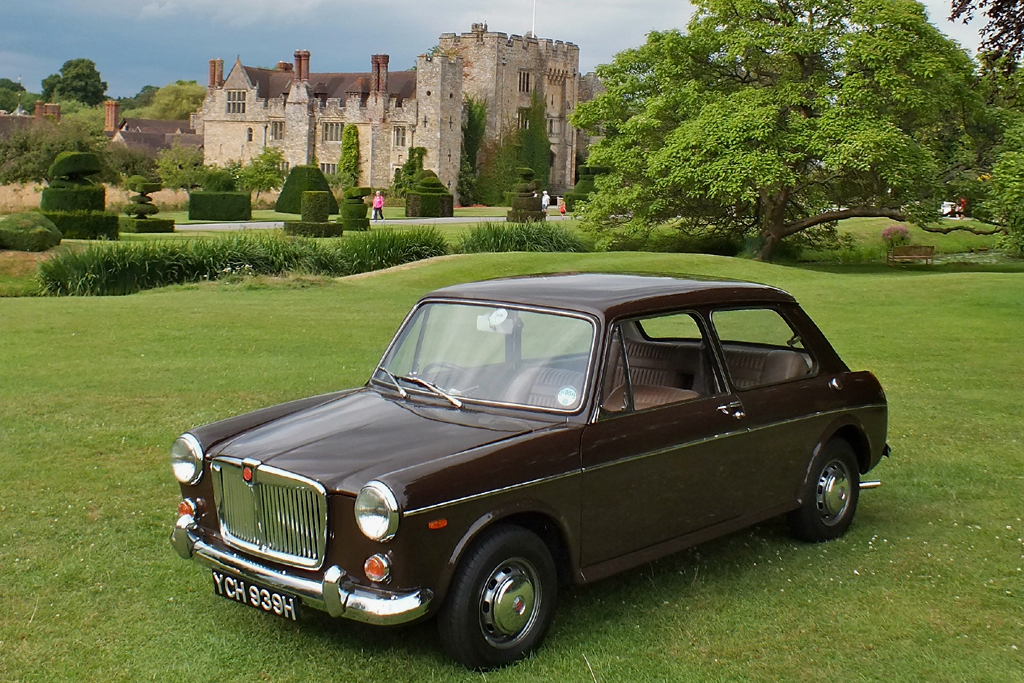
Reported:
(659, 457)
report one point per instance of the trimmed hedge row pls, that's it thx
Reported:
(125, 268)
(77, 198)
(219, 206)
(128, 224)
(429, 198)
(85, 225)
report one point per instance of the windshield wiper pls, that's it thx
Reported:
(401, 392)
(431, 386)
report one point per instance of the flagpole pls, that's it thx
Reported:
(534, 29)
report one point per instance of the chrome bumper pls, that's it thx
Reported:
(335, 594)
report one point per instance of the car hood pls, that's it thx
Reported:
(363, 435)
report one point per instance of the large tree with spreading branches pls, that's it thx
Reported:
(1004, 31)
(770, 117)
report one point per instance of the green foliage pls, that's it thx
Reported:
(12, 93)
(306, 228)
(74, 168)
(316, 206)
(145, 225)
(472, 138)
(302, 179)
(466, 186)
(78, 80)
(526, 201)
(532, 236)
(764, 117)
(1012, 242)
(130, 267)
(28, 232)
(26, 155)
(263, 173)
(141, 206)
(429, 197)
(354, 209)
(534, 145)
(85, 225)
(497, 165)
(405, 177)
(218, 180)
(348, 164)
(137, 102)
(122, 162)
(175, 101)
(181, 167)
(80, 198)
(219, 206)
(585, 186)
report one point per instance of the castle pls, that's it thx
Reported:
(303, 112)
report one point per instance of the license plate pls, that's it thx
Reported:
(255, 596)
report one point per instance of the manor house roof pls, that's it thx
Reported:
(272, 83)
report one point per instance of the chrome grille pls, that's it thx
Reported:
(279, 515)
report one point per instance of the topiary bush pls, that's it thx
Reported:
(29, 231)
(142, 208)
(315, 208)
(532, 236)
(429, 198)
(219, 206)
(584, 186)
(73, 203)
(303, 179)
(526, 203)
(354, 209)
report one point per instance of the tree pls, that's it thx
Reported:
(176, 101)
(773, 117)
(534, 145)
(78, 80)
(143, 99)
(26, 155)
(264, 172)
(348, 164)
(472, 137)
(181, 167)
(1004, 32)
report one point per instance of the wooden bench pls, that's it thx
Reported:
(911, 254)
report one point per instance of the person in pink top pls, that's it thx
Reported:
(378, 206)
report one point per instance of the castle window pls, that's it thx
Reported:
(332, 132)
(284, 165)
(524, 119)
(248, 134)
(277, 130)
(329, 169)
(236, 101)
(524, 81)
(400, 136)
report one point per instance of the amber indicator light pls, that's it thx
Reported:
(186, 507)
(436, 524)
(247, 473)
(376, 568)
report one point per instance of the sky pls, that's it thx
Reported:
(156, 42)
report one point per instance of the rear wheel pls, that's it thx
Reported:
(501, 600)
(830, 495)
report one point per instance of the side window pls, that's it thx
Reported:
(760, 347)
(657, 361)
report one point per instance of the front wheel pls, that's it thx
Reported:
(501, 600)
(830, 495)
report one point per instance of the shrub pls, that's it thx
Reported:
(129, 267)
(1012, 241)
(584, 186)
(312, 229)
(354, 209)
(219, 180)
(76, 198)
(895, 236)
(429, 198)
(28, 232)
(141, 205)
(303, 179)
(85, 225)
(532, 236)
(219, 206)
(74, 168)
(348, 164)
(145, 225)
(316, 206)
(526, 204)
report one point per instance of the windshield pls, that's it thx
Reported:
(492, 354)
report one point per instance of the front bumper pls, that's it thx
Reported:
(335, 595)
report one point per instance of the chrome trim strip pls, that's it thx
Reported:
(335, 594)
(661, 451)
(870, 485)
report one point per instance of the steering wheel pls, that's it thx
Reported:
(456, 374)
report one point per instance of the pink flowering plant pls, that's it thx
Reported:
(895, 236)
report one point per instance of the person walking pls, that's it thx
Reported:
(545, 201)
(378, 206)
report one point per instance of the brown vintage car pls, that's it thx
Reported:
(523, 433)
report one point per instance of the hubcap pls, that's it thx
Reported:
(832, 495)
(508, 601)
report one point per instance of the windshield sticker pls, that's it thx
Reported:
(498, 317)
(567, 396)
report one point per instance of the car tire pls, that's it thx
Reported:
(830, 495)
(501, 599)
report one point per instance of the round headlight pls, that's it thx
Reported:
(187, 459)
(377, 512)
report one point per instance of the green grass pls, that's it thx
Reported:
(390, 212)
(927, 585)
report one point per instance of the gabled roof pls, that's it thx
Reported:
(157, 126)
(154, 142)
(271, 83)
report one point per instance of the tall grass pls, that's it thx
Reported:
(125, 268)
(499, 237)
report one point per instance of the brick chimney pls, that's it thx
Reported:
(379, 77)
(38, 115)
(216, 73)
(286, 67)
(112, 110)
(302, 65)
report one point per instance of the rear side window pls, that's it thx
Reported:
(761, 348)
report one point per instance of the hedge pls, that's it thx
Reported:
(316, 206)
(219, 206)
(85, 225)
(584, 186)
(219, 180)
(73, 167)
(429, 198)
(313, 229)
(353, 209)
(526, 203)
(28, 232)
(128, 224)
(74, 198)
(303, 179)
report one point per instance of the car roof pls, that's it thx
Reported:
(610, 295)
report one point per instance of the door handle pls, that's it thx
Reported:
(733, 409)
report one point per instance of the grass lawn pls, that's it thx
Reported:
(927, 585)
(390, 212)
